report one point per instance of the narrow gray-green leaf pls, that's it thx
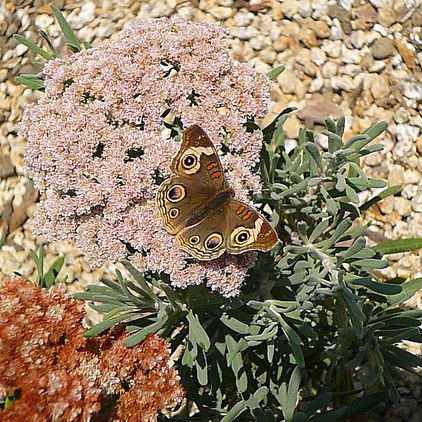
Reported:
(275, 72)
(141, 335)
(197, 334)
(376, 130)
(49, 43)
(34, 47)
(314, 153)
(67, 30)
(398, 246)
(409, 288)
(356, 315)
(235, 325)
(292, 394)
(106, 324)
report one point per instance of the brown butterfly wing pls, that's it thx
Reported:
(179, 200)
(198, 157)
(233, 227)
(182, 200)
(248, 230)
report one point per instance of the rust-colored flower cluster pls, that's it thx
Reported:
(58, 375)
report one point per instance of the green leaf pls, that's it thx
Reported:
(382, 195)
(269, 333)
(140, 279)
(409, 288)
(340, 230)
(401, 358)
(67, 30)
(340, 126)
(39, 263)
(86, 45)
(370, 264)
(383, 288)
(356, 315)
(49, 43)
(142, 334)
(355, 138)
(235, 325)
(314, 153)
(335, 141)
(294, 342)
(50, 276)
(268, 131)
(272, 74)
(197, 334)
(106, 324)
(364, 404)
(235, 411)
(376, 130)
(30, 83)
(257, 398)
(319, 402)
(398, 246)
(33, 47)
(239, 371)
(292, 394)
(319, 229)
(201, 367)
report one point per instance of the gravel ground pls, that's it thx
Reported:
(361, 59)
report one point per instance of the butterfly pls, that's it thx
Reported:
(198, 207)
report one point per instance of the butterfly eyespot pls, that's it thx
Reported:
(213, 241)
(189, 161)
(242, 237)
(176, 193)
(174, 212)
(194, 240)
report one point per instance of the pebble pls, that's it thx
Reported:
(221, 12)
(412, 89)
(382, 48)
(345, 4)
(87, 13)
(403, 206)
(329, 69)
(243, 18)
(377, 66)
(332, 48)
(244, 33)
(43, 21)
(318, 56)
(396, 176)
(288, 82)
(304, 8)
(343, 83)
(259, 42)
(289, 8)
(417, 201)
(336, 31)
(409, 191)
(401, 115)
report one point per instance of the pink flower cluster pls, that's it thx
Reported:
(98, 144)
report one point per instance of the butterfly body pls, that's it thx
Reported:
(198, 206)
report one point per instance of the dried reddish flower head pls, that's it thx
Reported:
(98, 146)
(63, 376)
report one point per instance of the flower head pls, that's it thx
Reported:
(65, 376)
(99, 143)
